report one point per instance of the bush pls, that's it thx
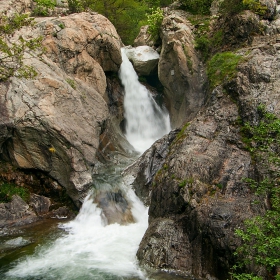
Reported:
(197, 7)
(12, 52)
(43, 7)
(7, 190)
(154, 20)
(221, 67)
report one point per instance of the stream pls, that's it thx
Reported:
(102, 241)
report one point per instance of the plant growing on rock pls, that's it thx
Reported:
(154, 21)
(221, 67)
(43, 7)
(7, 190)
(261, 234)
(12, 51)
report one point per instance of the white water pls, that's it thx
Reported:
(145, 120)
(90, 249)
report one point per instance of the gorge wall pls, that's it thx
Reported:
(66, 119)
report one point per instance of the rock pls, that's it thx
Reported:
(180, 70)
(40, 204)
(271, 8)
(143, 38)
(198, 198)
(16, 212)
(9, 7)
(52, 123)
(248, 26)
(146, 167)
(144, 59)
(215, 7)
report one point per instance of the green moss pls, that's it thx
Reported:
(222, 67)
(182, 183)
(7, 190)
(182, 132)
(71, 83)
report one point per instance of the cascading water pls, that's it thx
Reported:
(89, 248)
(145, 120)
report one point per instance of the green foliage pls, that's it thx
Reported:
(255, 6)
(75, 6)
(232, 7)
(221, 67)
(154, 21)
(197, 7)
(203, 44)
(71, 83)
(12, 52)
(126, 15)
(261, 234)
(182, 183)
(7, 190)
(157, 3)
(43, 7)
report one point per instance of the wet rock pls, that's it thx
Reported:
(115, 207)
(142, 172)
(16, 212)
(40, 204)
(144, 59)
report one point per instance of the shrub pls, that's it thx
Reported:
(221, 67)
(154, 20)
(7, 190)
(200, 7)
(12, 52)
(43, 7)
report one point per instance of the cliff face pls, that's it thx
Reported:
(196, 189)
(52, 123)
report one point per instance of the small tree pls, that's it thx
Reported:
(12, 52)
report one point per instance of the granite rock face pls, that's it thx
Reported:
(198, 196)
(180, 70)
(53, 122)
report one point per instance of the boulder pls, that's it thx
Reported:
(16, 212)
(40, 204)
(52, 122)
(144, 59)
(143, 38)
(180, 70)
(271, 8)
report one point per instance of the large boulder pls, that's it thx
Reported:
(144, 59)
(180, 70)
(52, 122)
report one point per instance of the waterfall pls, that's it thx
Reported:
(88, 247)
(145, 120)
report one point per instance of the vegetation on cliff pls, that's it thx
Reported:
(261, 234)
(12, 51)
